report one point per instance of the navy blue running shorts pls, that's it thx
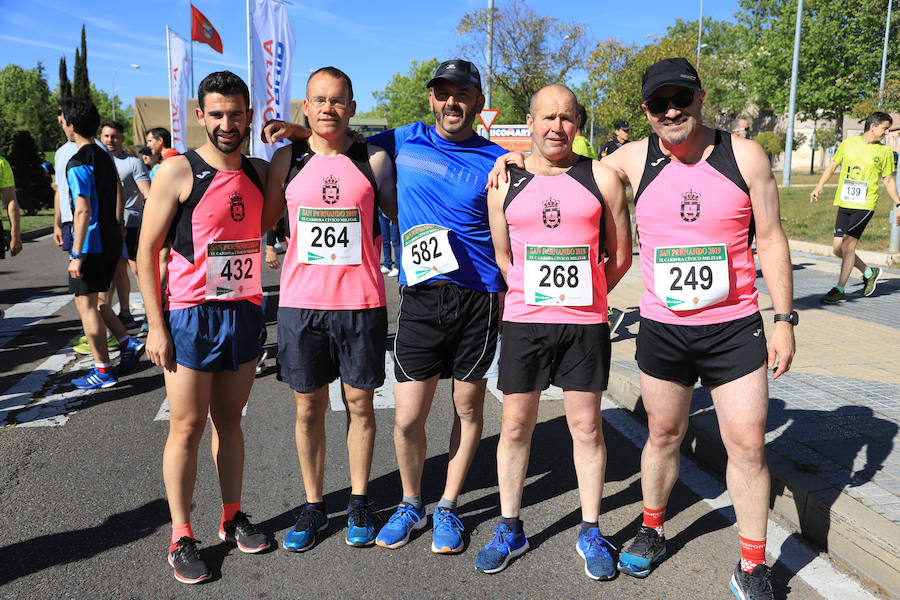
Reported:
(317, 346)
(216, 336)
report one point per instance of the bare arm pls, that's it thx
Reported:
(81, 220)
(826, 175)
(277, 130)
(383, 169)
(273, 208)
(616, 224)
(57, 220)
(171, 187)
(144, 187)
(497, 220)
(11, 205)
(772, 247)
(498, 174)
(891, 185)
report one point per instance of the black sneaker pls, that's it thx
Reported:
(128, 321)
(833, 296)
(644, 553)
(185, 559)
(242, 532)
(752, 586)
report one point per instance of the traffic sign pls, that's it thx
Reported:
(488, 116)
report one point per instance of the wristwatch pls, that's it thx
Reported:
(792, 317)
(75, 255)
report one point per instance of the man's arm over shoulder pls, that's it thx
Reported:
(771, 245)
(496, 196)
(383, 168)
(616, 223)
(273, 207)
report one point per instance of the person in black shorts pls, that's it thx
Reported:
(96, 197)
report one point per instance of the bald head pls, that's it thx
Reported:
(553, 123)
(556, 90)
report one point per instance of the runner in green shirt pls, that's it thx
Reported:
(11, 205)
(863, 160)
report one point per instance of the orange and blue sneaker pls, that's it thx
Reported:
(446, 531)
(402, 523)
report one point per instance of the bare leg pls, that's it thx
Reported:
(230, 390)
(845, 248)
(413, 402)
(109, 317)
(514, 447)
(588, 449)
(468, 420)
(94, 330)
(741, 407)
(123, 286)
(360, 436)
(667, 404)
(309, 433)
(189, 393)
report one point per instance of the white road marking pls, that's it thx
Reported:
(794, 553)
(29, 313)
(384, 396)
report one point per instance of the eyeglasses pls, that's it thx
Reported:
(319, 101)
(660, 104)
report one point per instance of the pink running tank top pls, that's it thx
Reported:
(695, 227)
(332, 259)
(215, 236)
(555, 273)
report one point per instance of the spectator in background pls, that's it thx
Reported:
(623, 132)
(741, 128)
(11, 205)
(581, 145)
(390, 237)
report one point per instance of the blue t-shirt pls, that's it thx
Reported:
(440, 182)
(92, 174)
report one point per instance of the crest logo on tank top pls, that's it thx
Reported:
(690, 206)
(551, 214)
(331, 193)
(237, 207)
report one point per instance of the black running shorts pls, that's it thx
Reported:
(446, 330)
(851, 221)
(573, 357)
(716, 353)
(315, 347)
(97, 271)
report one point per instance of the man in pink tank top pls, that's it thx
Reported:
(332, 315)
(550, 224)
(699, 193)
(206, 333)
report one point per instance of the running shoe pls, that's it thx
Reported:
(130, 354)
(185, 559)
(752, 586)
(393, 272)
(78, 339)
(302, 536)
(83, 347)
(597, 552)
(245, 534)
(94, 380)
(505, 546)
(833, 296)
(397, 530)
(360, 525)
(261, 362)
(644, 553)
(127, 320)
(446, 531)
(385, 269)
(869, 282)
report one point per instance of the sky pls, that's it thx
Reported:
(370, 40)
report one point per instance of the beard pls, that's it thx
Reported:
(677, 136)
(223, 146)
(466, 119)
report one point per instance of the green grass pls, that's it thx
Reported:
(44, 218)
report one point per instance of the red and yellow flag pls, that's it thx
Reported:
(202, 31)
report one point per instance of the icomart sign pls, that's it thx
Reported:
(511, 137)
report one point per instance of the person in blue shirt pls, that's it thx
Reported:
(449, 285)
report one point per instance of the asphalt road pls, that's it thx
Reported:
(83, 512)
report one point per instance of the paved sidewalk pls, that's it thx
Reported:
(832, 419)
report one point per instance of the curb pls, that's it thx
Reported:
(851, 533)
(885, 259)
(32, 234)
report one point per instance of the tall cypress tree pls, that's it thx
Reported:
(65, 87)
(81, 86)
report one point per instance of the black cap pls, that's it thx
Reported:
(622, 125)
(460, 72)
(669, 71)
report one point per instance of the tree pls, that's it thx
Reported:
(840, 52)
(26, 102)
(33, 189)
(890, 100)
(529, 51)
(405, 99)
(81, 87)
(65, 88)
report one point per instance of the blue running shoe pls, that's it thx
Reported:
(360, 525)
(396, 531)
(506, 545)
(130, 354)
(95, 379)
(645, 552)
(302, 536)
(597, 552)
(446, 531)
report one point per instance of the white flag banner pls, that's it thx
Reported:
(272, 52)
(179, 88)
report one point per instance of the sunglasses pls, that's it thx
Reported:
(660, 104)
